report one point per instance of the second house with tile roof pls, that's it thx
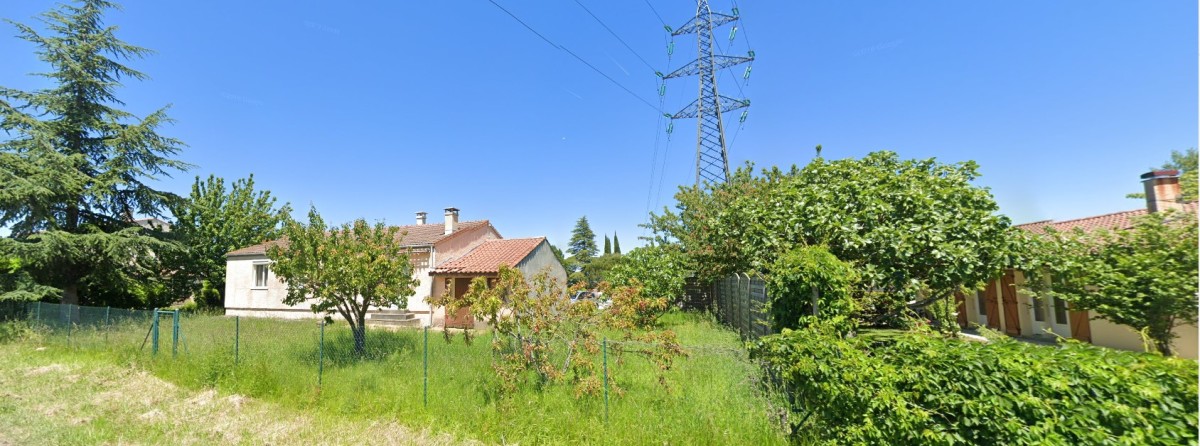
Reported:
(1003, 306)
(445, 255)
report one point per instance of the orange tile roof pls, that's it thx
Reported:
(488, 256)
(1115, 220)
(411, 236)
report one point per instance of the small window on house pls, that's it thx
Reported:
(980, 304)
(1060, 311)
(260, 275)
(1039, 310)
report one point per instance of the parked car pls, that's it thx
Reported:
(594, 297)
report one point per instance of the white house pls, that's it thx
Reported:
(451, 250)
(1003, 306)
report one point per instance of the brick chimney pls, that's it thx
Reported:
(421, 217)
(1162, 190)
(451, 220)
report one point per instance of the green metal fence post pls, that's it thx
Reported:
(175, 333)
(69, 326)
(237, 338)
(107, 311)
(154, 334)
(321, 357)
(605, 379)
(425, 389)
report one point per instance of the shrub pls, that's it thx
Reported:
(918, 389)
(807, 276)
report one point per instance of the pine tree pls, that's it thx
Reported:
(583, 241)
(607, 245)
(75, 167)
(616, 244)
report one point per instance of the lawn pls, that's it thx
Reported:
(712, 397)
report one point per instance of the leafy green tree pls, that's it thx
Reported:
(916, 230)
(215, 220)
(75, 166)
(607, 245)
(660, 270)
(583, 241)
(15, 284)
(1186, 162)
(344, 270)
(616, 244)
(1144, 277)
(596, 270)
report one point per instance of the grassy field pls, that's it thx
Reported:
(712, 398)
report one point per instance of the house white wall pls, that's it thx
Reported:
(1108, 334)
(242, 298)
(1103, 332)
(542, 258)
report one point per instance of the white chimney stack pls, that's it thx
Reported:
(1162, 190)
(421, 217)
(451, 220)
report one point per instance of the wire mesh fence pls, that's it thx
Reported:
(297, 358)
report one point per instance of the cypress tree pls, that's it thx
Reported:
(74, 166)
(607, 245)
(616, 244)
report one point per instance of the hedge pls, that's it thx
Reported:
(924, 389)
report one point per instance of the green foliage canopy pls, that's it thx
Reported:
(215, 220)
(344, 270)
(75, 166)
(583, 241)
(912, 227)
(660, 270)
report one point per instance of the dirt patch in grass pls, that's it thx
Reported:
(52, 398)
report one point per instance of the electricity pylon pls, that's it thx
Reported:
(712, 158)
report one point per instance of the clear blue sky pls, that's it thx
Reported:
(381, 110)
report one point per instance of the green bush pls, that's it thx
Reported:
(13, 331)
(920, 389)
(794, 278)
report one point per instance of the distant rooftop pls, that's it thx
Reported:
(410, 236)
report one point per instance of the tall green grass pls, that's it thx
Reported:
(711, 399)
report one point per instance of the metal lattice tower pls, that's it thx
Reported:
(712, 160)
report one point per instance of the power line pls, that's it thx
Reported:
(614, 34)
(660, 19)
(572, 53)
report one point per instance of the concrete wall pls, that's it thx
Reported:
(1108, 334)
(454, 247)
(418, 302)
(242, 298)
(543, 259)
(241, 295)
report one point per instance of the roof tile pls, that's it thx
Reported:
(488, 256)
(411, 236)
(1115, 220)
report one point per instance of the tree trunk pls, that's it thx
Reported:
(70, 294)
(360, 339)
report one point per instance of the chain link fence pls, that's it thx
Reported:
(296, 358)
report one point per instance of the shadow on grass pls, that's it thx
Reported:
(379, 346)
